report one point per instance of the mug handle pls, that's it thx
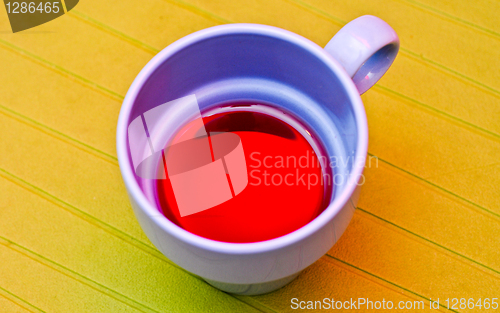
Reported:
(366, 48)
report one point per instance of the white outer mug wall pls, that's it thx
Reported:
(251, 263)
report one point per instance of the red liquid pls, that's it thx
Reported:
(290, 192)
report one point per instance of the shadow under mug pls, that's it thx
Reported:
(250, 62)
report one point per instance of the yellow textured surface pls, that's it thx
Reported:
(428, 220)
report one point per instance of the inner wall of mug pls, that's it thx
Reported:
(264, 69)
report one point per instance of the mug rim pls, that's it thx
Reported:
(302, 233)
